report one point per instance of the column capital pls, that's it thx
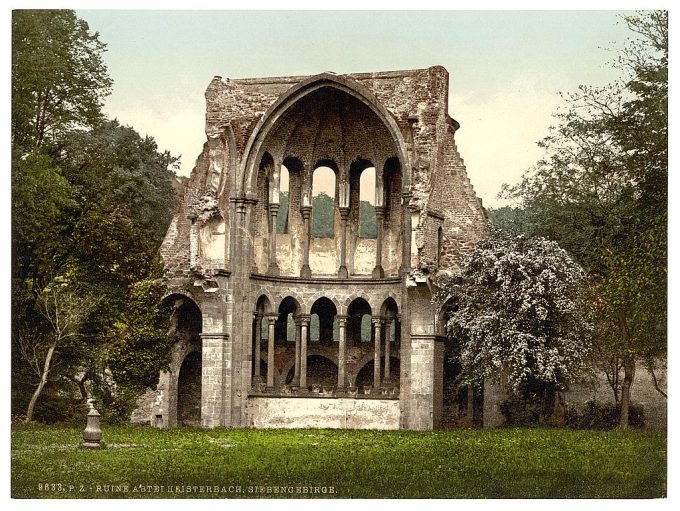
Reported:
(304, 319)
(274, 207)
(380, 211)
(258, 315)
(344, 212)
(306, 211)
(342, 319)
(271, 317)
(377, 320)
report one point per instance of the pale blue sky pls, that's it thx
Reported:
(505, 67)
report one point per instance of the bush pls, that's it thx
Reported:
(521, 411)
(597, 415)
(58, 407)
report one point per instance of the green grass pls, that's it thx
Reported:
(504, 463)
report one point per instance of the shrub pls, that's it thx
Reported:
(521, 411)
(598, 415)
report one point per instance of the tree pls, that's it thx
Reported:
(64, 310)
(59, 78)
(91, 200)
(520, 310)
(601, 192)
(322, 215)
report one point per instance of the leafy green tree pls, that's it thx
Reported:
(91, 201)
(368, 224)
(323, 215)
(64, 310)
(138, 346)
(601, 192)
(112, 167)
(59, 78)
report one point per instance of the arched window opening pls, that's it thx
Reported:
(285, 328)
(359, 328)
(367, 219)
(189, 320)
(284, 201)
(390, 312)
(323, 324)
(314, 328)
(285, 324)
(323, 202)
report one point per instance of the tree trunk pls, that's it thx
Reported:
(43, 381)
(559, 408)
(628, 375)
(81, 385)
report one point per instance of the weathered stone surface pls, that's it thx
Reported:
(219, 251)
(281, 412)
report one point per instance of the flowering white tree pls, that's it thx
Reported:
(519, 307)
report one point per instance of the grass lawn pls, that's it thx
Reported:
(506, 463)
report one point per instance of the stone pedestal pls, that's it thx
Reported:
(92, 436)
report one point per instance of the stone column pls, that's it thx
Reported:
(257, 378)
(215, 378)
(271, 319)
(406, 234)
(304, 329)
(378, 272)
(342, 348)
(296, 375)
(193, 241)
(388, 323)
(377, 330)
(306, 271)
(342, 271)
(273, 266)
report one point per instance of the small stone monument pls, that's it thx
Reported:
(92, 436)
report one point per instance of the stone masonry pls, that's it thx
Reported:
(288, 329)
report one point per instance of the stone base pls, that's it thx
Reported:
(92, 445)
(378, 272)
(306, 272)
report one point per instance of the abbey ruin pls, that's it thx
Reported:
(282, 324)
(300, 261)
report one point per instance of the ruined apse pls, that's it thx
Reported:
(281, 322)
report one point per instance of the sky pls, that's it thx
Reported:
(506, 68)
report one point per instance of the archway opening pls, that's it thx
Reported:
(323, 325)
(284, 201)
(368, 225)
(189, 391)
(285, 324)
(359, 330)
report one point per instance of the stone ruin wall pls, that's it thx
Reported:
(441, 192)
